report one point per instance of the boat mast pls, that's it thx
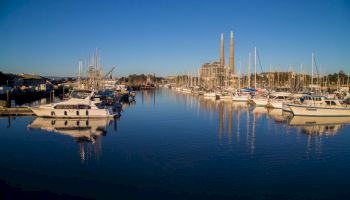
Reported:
(270, 77)
(312, 70)
(239, 76)
(254, 67)
(248, 70)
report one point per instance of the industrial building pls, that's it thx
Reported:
(215, 74)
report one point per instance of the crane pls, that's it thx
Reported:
(109, 73)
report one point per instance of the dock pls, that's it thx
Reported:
(23, 111)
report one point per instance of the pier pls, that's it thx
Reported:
(22, 111)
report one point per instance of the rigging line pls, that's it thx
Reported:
(260, 62)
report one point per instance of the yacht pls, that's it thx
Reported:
(299, 98)
(274, 100)
(210, 94)
(226, 95)
(241, 96)
(321, 107)
(78, 106)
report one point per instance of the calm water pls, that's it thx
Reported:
(168, 145)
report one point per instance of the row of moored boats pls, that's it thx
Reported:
(300, 104)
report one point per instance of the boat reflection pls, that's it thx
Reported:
(240, 123)
(318, 126)
(86, 132)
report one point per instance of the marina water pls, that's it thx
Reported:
(168, 145)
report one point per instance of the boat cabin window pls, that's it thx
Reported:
(72, 107)
(331, 103)
(84, 107)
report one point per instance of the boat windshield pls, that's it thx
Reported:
(80, 94)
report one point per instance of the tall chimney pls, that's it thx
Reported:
(232, 55)
(222, 56)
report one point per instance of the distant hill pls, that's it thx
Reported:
(3, 78)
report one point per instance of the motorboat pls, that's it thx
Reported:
(325, 108)
(78, 106)
(274, 100)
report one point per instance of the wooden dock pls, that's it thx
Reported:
(15, 111)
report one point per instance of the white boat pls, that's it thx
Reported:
(75, 107)
(285, 107)
(276, 100)
(328, 108)
(241, 97)
(225, 96)
(260, 101)
(210, 94)
(298, 98)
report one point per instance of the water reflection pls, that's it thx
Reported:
(86, 132)
(148, 97)
(317, 126)
(235, 118)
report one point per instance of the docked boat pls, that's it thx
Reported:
(225, 96)
(277, 100)
(274, 100)
(324, 108)
(241, 96)
(209, 94)
(78, 106)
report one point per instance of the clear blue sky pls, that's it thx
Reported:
(171, 36)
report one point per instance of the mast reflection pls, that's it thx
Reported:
(240, 123)
(86, 132)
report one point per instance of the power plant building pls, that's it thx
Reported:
(215, 73)
(212, 74)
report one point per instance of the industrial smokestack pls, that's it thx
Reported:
(232, 54)
(222, 56)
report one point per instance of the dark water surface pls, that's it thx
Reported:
(168, 145)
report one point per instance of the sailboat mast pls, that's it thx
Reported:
(312, 69)
(248, 70)
(255, 67)
(239, 76)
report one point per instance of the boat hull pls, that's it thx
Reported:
(286, 108)
(260, 102)
(275, 104)
(73, 113)
(240, 98)
(302, 110)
